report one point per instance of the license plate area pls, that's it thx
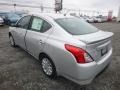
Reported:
(104, 51)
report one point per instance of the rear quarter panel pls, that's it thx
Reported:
(64, 61)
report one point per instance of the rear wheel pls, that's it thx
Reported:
(48, 67)
(12, 41)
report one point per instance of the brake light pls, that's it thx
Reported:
(80, 54)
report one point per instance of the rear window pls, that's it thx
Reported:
(76, 26)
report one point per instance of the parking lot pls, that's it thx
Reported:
(20, 71)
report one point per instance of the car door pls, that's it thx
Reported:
(37, 34)
(20, 31)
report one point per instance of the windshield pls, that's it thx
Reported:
(76, 26)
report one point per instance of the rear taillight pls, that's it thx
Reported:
(80, 55)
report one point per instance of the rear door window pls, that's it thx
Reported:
(36, 24)
(46, 26)
(39, 25)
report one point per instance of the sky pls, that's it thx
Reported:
(99, 5)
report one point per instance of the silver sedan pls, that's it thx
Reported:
(66, 46)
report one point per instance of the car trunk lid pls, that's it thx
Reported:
(98, 44)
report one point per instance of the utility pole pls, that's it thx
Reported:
(42, 8)
(14, 7)
(58, 5)
(79, 12)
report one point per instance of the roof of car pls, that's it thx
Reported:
(52, 15)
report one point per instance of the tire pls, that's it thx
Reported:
(48, 67)
(12, 42)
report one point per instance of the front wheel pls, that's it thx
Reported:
(48, 67)
(12, 43)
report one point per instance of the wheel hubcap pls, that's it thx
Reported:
(47, 67)
(11, 41)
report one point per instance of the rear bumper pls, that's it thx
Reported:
(87, 72)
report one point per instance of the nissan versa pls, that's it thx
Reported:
(66, 46)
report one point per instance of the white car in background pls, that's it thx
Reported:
(104, 19)
(88, 19)
(96, 19)
(1, 21)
